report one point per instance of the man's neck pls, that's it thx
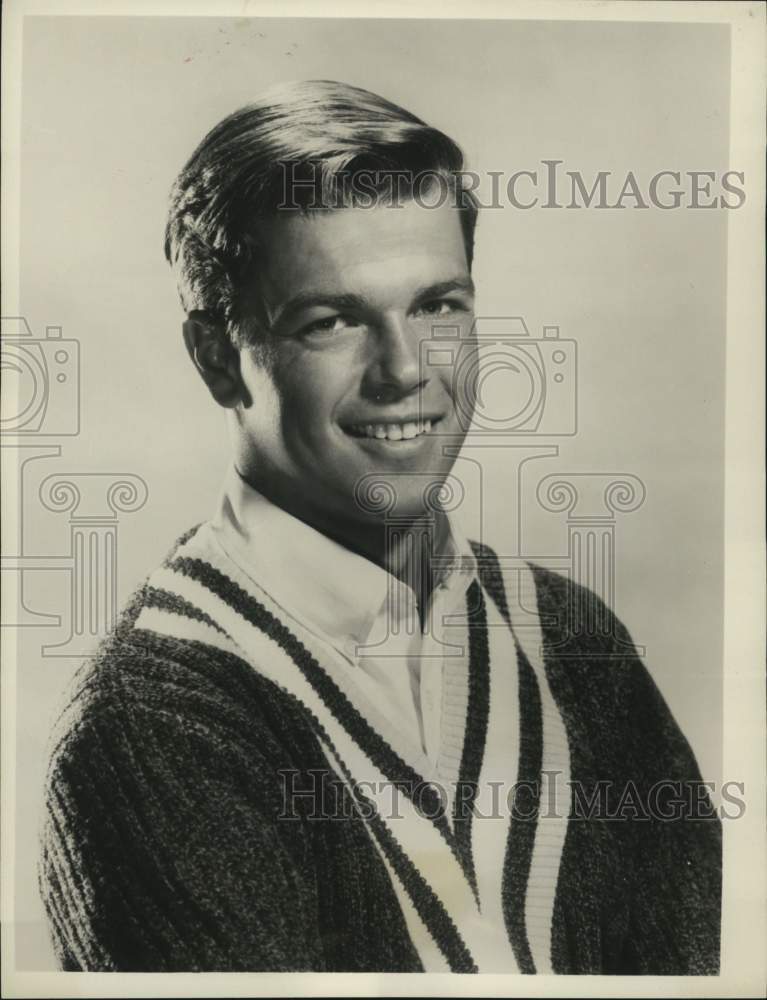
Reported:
(405, 548)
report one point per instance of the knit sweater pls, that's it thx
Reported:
(217, 800)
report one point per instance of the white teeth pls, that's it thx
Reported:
(394, 432)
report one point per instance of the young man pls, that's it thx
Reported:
(319, 738)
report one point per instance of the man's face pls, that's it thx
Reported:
(343, 388)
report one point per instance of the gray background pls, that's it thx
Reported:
(111, 109)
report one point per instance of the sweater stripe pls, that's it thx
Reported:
(416, 838)
(436, 916)
(496, 782)
(429, 911)
(551, 829)
(476, 725)
(524, 816)
(425, 916)
(394, 768)
(424, 941)
(430, 908)
(521, 834)
(536, 848)
(176, 626)
(164, 600)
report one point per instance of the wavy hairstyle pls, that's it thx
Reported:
(304, 146)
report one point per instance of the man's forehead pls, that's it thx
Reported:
(374, 247)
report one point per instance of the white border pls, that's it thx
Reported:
(744, 960)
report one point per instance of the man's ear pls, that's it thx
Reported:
(215, 357)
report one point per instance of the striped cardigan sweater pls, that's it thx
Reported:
(219, 798)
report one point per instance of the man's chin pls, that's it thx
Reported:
(392, 495)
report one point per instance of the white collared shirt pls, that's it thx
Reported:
(365, 614)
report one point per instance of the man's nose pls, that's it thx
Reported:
(396, 370)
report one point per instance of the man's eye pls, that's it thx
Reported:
(440, 307)
(328, 326)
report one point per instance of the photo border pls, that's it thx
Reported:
(744, 926)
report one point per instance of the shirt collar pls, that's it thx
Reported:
(313, 578)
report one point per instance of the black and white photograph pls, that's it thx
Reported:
(383, 558)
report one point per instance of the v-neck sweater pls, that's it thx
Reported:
(221, 798)
(416, 672)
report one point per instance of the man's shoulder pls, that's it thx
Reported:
(573, 617)
(175, 694)
(135, 671)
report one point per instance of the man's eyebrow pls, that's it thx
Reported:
(350, 301)
(311, 299)
(461, 283)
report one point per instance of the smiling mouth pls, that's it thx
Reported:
(406, 431)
